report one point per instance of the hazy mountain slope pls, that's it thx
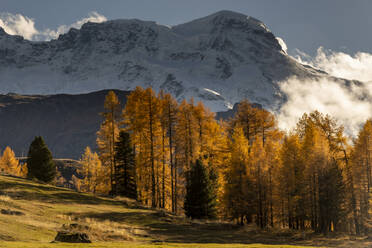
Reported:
(68, 123)
(220, 59)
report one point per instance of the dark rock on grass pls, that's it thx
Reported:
(11, 212)
(157, 241)
(67, 237)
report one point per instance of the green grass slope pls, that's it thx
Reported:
(123, 223)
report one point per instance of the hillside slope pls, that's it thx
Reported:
(44, 209)
(68, 123)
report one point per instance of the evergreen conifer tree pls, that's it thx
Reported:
(200, 193)
(125, 167)
(212, 196)
(40, 161)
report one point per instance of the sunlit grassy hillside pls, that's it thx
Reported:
(39, 211)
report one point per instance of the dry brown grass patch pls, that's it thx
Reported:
(98, 230)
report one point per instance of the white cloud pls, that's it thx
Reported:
(339, 64)
(17, 24)
(351, 106)
(49, 34)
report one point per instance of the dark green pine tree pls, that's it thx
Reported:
(200, 199)
(40, 162)
(331, 199)
(125, 171)
(213, 188)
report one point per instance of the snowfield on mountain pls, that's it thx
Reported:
(219, 59)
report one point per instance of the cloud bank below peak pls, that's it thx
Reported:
(17, 24)
(351, 106)
(340, 64)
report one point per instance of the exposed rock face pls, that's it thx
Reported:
(219, 59)
(11, 212)
(68, 237)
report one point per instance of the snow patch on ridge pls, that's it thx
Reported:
(213, 92)
(282, 44)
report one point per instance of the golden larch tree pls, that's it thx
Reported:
(9, 163)
(108, 134)
(92, 172)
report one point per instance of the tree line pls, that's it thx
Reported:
(177, 156)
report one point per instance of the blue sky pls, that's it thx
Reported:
(340, 25)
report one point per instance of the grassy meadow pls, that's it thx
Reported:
(44, 210)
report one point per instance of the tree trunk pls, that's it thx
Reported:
(353, 199)
(163, 176)
(171, 154)
(175, 186)
(153, 184)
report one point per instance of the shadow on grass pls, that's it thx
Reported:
(224, 233)
(178, 230)
(169, 230)
(208, 233)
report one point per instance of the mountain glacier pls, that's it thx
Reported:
(219, 59)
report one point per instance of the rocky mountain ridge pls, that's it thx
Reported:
(219, 59)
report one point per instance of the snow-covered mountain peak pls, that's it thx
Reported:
(219, 59)
(221, 21)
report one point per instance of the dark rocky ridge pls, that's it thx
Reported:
(68, 123)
